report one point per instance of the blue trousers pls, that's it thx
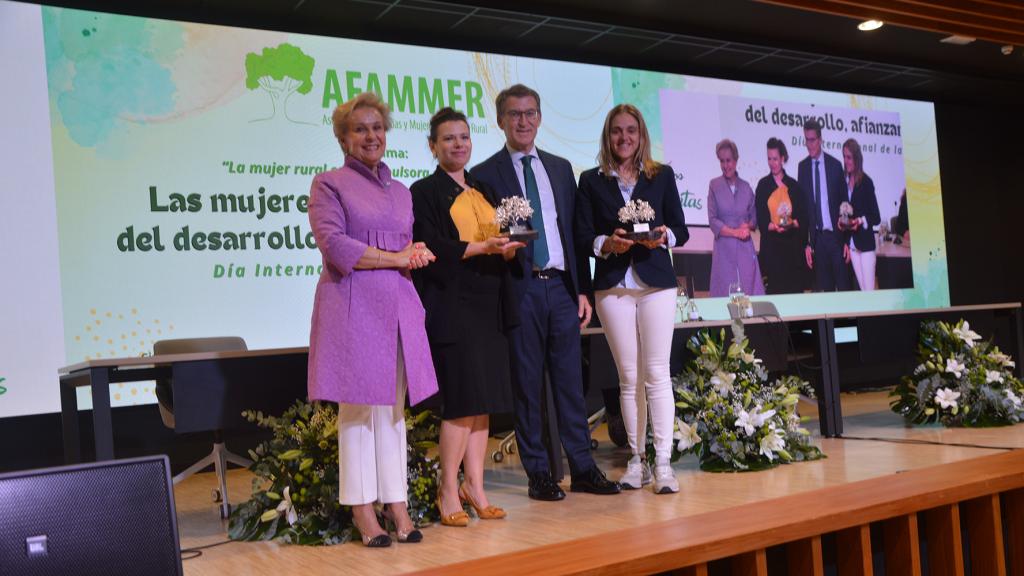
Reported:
(549, 333)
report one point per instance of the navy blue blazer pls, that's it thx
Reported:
(836, 191)
(865, 204)
(498, 173)
(597, 214)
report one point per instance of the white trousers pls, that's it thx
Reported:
(863, 267)
(372, 460)
(638, 325)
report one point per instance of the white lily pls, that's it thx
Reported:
(993, 376)
(1003, 359)
(946, 398)
(287, 508)
(750, 421)
(772, 442)
(686, 435)
(722, 382)
(1014, 399)
(966, 334)
(955, 368)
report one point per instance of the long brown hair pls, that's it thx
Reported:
(858, 160)
(641, 158)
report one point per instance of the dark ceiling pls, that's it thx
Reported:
(739, 39)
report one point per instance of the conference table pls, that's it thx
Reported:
(269, 378)
(231, 381)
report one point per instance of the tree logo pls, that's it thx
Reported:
(280, 72)
(2, 389)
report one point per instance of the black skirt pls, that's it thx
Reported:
(473, 373)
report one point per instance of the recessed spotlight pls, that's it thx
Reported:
(1007, 50)
(869, 25)
(958, 40)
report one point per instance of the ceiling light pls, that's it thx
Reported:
(958, 40)
(868, 25)
(1007, 50)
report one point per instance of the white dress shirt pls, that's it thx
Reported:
(556, 255)
(826, 214)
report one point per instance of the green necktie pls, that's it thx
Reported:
(540, 245)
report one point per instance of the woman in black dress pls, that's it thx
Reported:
(782, 238)
(470, 307)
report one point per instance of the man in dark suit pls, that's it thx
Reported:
(552, 295)
(821, 176)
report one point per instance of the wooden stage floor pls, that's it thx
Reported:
(861, 455)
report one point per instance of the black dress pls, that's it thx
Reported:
(782, 259)
(469, 304)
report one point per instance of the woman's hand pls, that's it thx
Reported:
(493, 245)
(662, 239)
(616, 243)
(414, 255)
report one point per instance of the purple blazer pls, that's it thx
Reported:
(732, 259)
(358, 315)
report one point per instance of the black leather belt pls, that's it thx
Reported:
(547, 273)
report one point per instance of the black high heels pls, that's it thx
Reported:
(413, 536)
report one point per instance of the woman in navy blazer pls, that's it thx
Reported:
(635, 284)
(861, 192)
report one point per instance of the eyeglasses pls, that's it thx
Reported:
(531, 114)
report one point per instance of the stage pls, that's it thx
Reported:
(876, 447)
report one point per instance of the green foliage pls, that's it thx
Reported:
(284, 61)
(731, 416)
(960, 380)
(295, 492)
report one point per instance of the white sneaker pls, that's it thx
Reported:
(665, 478)
(638, 474)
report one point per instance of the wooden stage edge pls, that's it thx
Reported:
(910, 484)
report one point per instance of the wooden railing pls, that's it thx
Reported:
(983, 495)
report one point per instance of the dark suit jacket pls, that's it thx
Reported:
(498, 172)
(865, 204)
(439, 283)
(597, 213)
(836, 191)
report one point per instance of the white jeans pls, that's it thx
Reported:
(639, 325)
(371, 449)
(863, 267)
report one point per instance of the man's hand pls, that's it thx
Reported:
(809, 254)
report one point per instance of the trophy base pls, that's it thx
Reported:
(520, 235)
(638, 236)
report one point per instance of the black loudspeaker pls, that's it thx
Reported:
(107, 518)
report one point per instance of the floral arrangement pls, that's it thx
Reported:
(636, 211)
(512, 211)
(960, 380)
(731, 416)
(295, 492)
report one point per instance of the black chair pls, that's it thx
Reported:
(220, 456)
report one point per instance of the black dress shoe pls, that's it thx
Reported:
(594, 482)
(544, 487)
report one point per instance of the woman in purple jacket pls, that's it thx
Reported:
(367, 343)
(733, 220)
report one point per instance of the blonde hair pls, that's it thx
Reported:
(341, 114)
(729, 145)
(641, 158)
